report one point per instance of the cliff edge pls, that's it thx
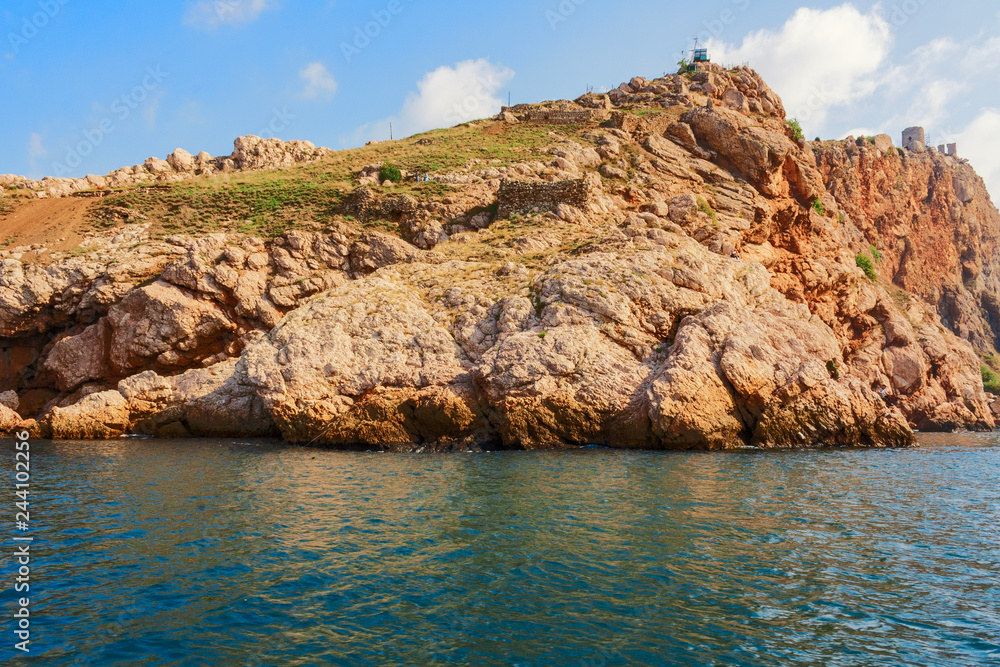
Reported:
(664, 266)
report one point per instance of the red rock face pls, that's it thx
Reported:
(934, 224)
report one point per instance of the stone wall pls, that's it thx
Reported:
(556, 116)
(523, 196)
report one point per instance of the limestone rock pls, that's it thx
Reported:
(97, 416)
(10, 421)
(160, 324)
(365, 364)
(181, 160)
(9, 399)
(375, 250)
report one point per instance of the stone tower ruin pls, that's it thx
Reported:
(914, 135)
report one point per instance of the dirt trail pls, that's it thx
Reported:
(46, 221)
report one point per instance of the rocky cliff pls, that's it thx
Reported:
(665, 266)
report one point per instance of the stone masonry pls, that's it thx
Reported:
(522, 196)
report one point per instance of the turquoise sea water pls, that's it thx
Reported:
(212, 552)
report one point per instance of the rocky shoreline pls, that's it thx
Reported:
(686, 278)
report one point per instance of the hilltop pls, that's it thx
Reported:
(669, 265)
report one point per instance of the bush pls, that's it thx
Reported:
(796, 129)
(832, 367)
(819, 208)
(706, 208)
(875, 254)
(865, 264)
(991, 381)
(389, 172)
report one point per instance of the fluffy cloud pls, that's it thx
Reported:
(210, 14)
(979, 144)
(819, 59)
(319, 83)
(446, 97)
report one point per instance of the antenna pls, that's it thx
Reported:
(390, 131)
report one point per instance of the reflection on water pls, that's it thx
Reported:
(214, 552)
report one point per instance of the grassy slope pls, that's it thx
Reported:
(304, 197)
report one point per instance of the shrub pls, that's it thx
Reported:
(796, 129)
(706, 208)
(832, 367)
(865, 264)
(819, 208)
(818, 140)
(876, 255)
(991, 381)
(389, 172)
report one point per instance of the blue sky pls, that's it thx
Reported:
(93, 86)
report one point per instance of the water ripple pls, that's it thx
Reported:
(213, 552)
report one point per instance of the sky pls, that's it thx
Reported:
(89, 87)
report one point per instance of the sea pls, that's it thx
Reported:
(228, 552)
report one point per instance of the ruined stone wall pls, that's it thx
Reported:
(522, 196)
(560, 116)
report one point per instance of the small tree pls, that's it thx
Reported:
(864, 262)
(389, 172)
(796, 129)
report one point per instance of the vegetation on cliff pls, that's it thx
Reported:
(666, 266)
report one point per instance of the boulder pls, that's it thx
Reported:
(10, 421)
(81, 358)
(97, 416)
(158, 167)
(181, 160)
(161, 325)
(9, 399)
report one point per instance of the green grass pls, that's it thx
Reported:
(307, 196)
(864, 262)
(266, 206)
(876, 255)
(818, 207)
(991, 381)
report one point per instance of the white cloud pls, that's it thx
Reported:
(210, 14)
(446, 97)
(819, 59)
(36, 151)
(35, 147)
(979, 143)
(319, 83)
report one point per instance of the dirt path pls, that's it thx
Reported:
(46, 221)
